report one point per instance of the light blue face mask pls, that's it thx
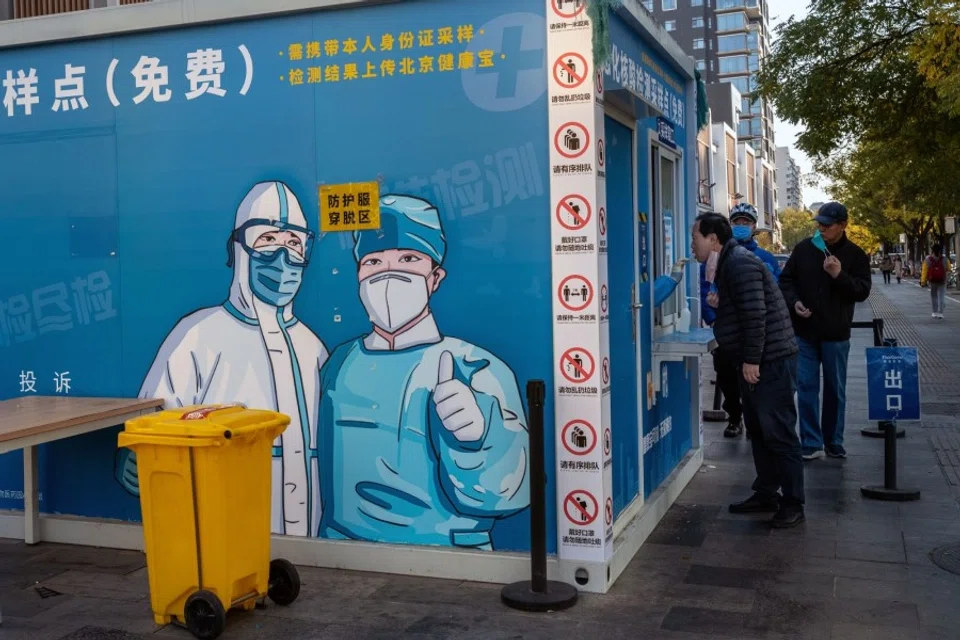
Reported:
(819, 242)
(742, 232)
(273, 279)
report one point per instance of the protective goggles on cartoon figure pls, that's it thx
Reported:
(298, 248)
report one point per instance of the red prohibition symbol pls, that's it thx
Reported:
(574, 212)
(570, 70)
(577, 365)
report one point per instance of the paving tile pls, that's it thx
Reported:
(26, 602)
(847, 631)
(874, 612)
(102, 633)
(131, 587)
(726, 577)
(91, 559)
(875, 590)
(872, 552)
(133, 617)
(712, 622)
(685, 525)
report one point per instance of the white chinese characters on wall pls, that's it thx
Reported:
(205, 68)
(61, 382)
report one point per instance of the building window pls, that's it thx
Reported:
(711, 65)
(670, 25)
(698, 23)
(702, 65)
(668, 5)
(696, 3)
(742, 84)
(733, 64)
(698, 43)
(648, 5)
(731, 21)
(726, 44)
(730, 4)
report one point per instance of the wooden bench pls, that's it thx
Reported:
(28, 421)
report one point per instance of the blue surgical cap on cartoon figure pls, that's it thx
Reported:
(406, 223)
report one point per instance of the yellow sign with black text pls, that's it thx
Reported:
(354, 206)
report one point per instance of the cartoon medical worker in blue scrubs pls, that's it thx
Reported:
(252, 349)
(422, 438)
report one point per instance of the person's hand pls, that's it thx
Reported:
(751, 373)
(801, 310)
(456, 404)
(713, 300)
(832, 266)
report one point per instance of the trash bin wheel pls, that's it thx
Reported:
(284, 582)
(204, 614)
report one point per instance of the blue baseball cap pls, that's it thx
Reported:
(831, 213)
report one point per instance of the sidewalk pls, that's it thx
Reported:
(856, 570)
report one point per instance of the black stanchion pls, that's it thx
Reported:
(880, 341)
(889, 490)
(538, 593)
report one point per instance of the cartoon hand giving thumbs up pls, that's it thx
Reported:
(456, 404)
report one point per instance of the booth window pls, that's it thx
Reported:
(665, 187)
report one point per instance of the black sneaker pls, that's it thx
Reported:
(788, 517)
(836, 451)
(756, 504)
(733, 430)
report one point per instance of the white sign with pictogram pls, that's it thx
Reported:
(577, 154)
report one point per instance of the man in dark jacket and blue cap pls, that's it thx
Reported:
(743, 221)
(753, 329)
(824, 279)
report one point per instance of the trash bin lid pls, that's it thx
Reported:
(208, 421)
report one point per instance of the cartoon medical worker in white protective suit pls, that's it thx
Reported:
(423, 438)
(252, 349)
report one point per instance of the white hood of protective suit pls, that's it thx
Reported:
(272, 201)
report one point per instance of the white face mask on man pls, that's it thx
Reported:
(394, 298)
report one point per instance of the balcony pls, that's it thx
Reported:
(15, 9)
(753, 8)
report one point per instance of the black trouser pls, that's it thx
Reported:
(886, 276)
(770, 415)
(728, 383)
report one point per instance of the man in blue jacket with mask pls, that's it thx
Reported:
(743, 221)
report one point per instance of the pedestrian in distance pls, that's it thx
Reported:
(898, 268)
(743, 221)
(824, 279)
(753, 329)
(886, 267)
(934, 272)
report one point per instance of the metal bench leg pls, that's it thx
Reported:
(31, 507)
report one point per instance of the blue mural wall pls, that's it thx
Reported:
(122, 204)
(635, 66)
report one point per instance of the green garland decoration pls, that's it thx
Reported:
(599, 12)
(703, 108)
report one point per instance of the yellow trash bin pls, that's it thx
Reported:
(205, 474)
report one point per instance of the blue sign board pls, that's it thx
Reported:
(893, 383)
(665, 133)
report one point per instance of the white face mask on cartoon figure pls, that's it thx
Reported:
(394, 298)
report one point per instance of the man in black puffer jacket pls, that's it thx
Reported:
(753, 328)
